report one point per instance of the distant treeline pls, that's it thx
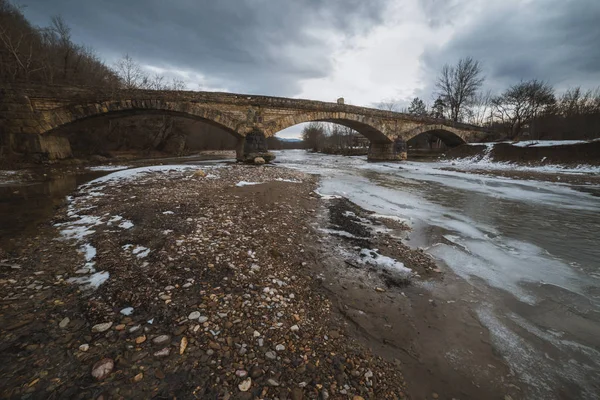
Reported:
(46, 54)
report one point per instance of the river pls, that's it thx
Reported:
(528, 249)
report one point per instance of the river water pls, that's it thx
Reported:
(529, 249)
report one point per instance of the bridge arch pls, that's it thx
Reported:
(60, 117)
(450, 136)
(366, 126)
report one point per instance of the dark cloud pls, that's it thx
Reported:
(263, 46)
(553, 40)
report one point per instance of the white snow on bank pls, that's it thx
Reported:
(336, 232)
(390, 217)
(89, 251)
(137, 250)
(548, 143)
(536, 143)
(479, 162)
(246, 183)
(327, 196)
(132, 173)
(126, 224)
(79, 228)
(288, 180)
(108, 167)
(372, 257)
(92, 281)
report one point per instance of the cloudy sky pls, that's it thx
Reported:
(367, 51)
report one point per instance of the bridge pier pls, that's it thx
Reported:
(392, 151)
(253, 145)
(36, 147)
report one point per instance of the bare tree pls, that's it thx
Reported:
(130, 73)
(458, 85)
(523, 102)
(480, 113)
(388, 105)
(313, 135)
(578, 102)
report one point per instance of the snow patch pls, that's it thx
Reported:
(108, 167)
(245, 183)
(372, 257)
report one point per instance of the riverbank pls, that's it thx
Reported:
(569, 154)
(180, 284)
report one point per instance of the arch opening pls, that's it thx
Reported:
(431, 139)
(363, 125)
(327, 137)
(145, 132)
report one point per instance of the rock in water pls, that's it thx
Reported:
(259, 160)
(103, 368)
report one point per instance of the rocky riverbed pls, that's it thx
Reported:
(168, 282)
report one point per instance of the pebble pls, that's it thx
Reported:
(183, 345)
(241, 373)
(272, 382)
(280, 347)
(84, 347)
(271, 355)
(103, 368)
(194, 315)
(138, 377)
(63, 324)
(161, 339)
(120, 327)
(256, 372)
(295, 328)
(245, 384)
(435, 395)
(163, 353)
(202, 319)
(297, 394)
(127, 311)
(99, 328)
(140, 339)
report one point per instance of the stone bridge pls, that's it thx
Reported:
(29, 115)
